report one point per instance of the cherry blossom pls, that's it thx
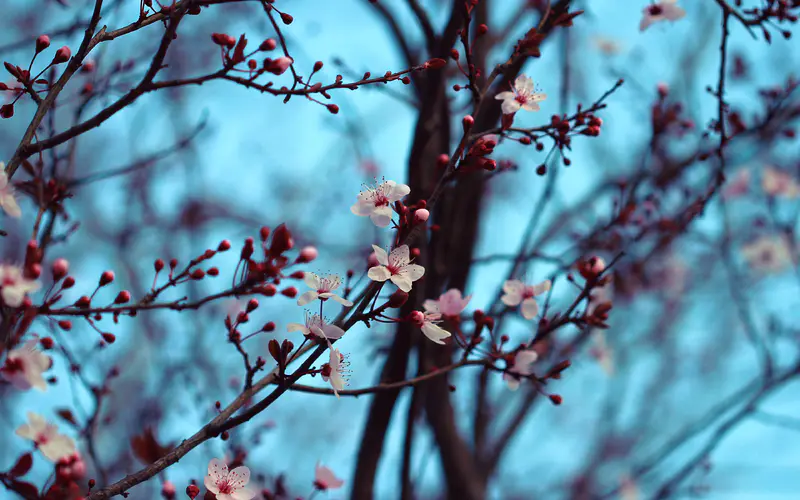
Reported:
(521, 95)
(376, 202)
(665, 10)
(54, 446)
(316, 325)
(228, 485)
(396, 267)
(7, 200)
(450, 303)
(322, 289)
(522, 367)
(516, 292)
(738, 185)
(599, 295)
(427, 322)
(768, 254)
(776, 182)
(335, 372)
(325, 479)
(24, 367)
(14, 286)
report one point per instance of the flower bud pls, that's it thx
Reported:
(62, 55)
(268, 44)
(421, 215)
(397, 299)
(281, 240)
(192, 491)
(106, 278)
(60, 269)
(417, 318)
(307, 254)
(280, 65)
(123, 297)
(42, 43)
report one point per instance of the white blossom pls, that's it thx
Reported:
(54, 446)
(521, 95)
(396, 267)
(322, 288)
(665, 10)
(228, 485)
(376, 202)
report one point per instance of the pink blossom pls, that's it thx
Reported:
(228, 485)
(337, 365)
(427, 323)
(665, 10)
(449, 303)
(322, 288)
(521, 95)
(54, 446)
(325, 479)
(776, 182)
(768, 254)
(516, 292)
(421, 215)
(316, 325)
(24, 367)
(522, 367)
(376, 202)
(396, 267)
(738, 185)
(14, 286)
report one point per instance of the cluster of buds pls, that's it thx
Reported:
(273, 263)
(23, 76)
(476, 157)
(233, 53)
(70, 472)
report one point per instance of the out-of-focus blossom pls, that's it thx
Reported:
(316, 325)
(665, 10)
(738, 185)
(523, 366)
(450, 303)
(8, 202)
(776, 182)
(768, 254)
(54, 446)
(522, 95)
(322, 288)
(602, 352)
(228, 485)
(24, 367)
(516, 292)
(325, 479)
(14, 285)
(376, 202)
(628, 489)
(396, 267)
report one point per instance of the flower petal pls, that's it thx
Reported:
(341, 300)
(10, 205)
(211, 485)
(542, 287)
(502, 96)
(379, 273)
(296, 327)
(398, 192)
(399, 255)
(530, 308)
(381, 255)
(510, 106)
(434, 332)
(239, 477)
(402, 281)
(217, 469)
(311, 280)
(431, 306)
(307, 297)
(413, 271)
(332, 331)
(243, 494)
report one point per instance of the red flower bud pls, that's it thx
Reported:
(290, 292)
(158, 265)
(307, 254)
(65, 325)
(556, 399)
(192, 491)
(69, 282)
(435, 63)
(62, 55)
(333, 108)
(281, 240)
(42, 43)
(109, 337)
(286, 18)
(60, 269)
(122, 297)
(106, 278)
(224, 246)
(7, 111)
(268, 44)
